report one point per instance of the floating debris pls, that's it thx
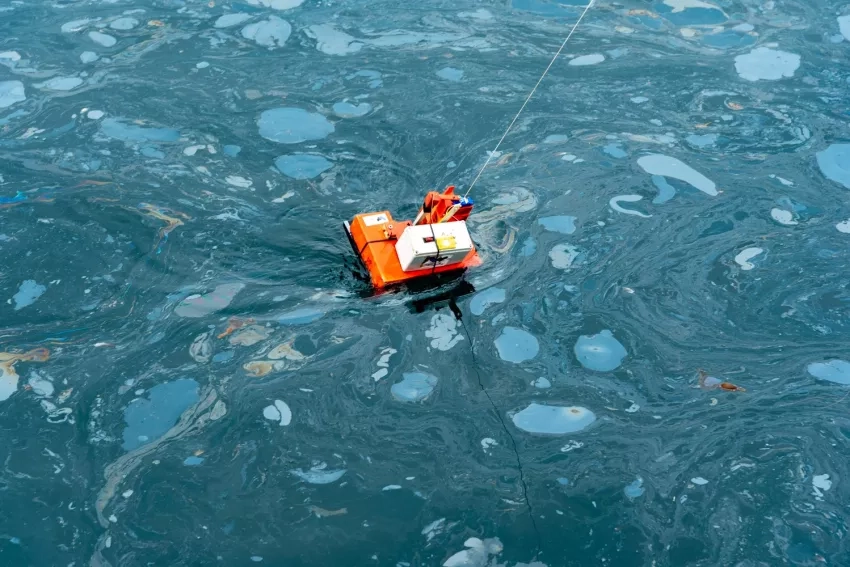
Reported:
(249, 336)
(319, 474)
(287, 352)
(201, 349)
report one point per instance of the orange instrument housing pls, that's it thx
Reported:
(373, 237)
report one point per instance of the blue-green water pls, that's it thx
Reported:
(191, 375)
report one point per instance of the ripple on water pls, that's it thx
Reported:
(763, 63)
(293, 125)
(666, 166)
(834, 162)
(600, 352)
(516, 345)
(562, 223)
(150, 418)
(302, 166)
(484, 299)
(836, 370)
(414, 387)
(553, 420)
(691, 12)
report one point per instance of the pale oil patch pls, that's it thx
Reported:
(278, 412)
(783, 217)
(614, 203)
(744, 256)
(444, 332)
(820, 482)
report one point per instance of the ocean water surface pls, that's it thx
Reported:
(654, 368)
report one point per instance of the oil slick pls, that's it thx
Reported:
(444, 332)
(8, 377)
(278, 412)
(28, 292)
(553, 420)
(666, 166)
(744, 256)
(516, 345)
(836, 370)
(600, 352)
(414, 387)
(766, 64)
(614, 203)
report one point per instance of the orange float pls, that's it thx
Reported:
(436, 243)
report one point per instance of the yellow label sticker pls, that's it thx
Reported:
(447, 242)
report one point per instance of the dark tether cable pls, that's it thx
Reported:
(459, 316)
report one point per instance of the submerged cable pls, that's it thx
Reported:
(459, 316)
(528, 98)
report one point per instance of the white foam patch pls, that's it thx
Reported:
(820, 482)
(238, 181)
(103, 39)
(614, 203)
(667, 166)
(89, 56)
(765, 64)
(229, 20)
(480, 14)
(843, 226)
(592, 59)
(682, 5)
(844, 26)
(11, 92)
(444, 333)
(124, 24)
(331, 41)
(77, 25)
(278, 412)
(744, 256)
(563, 256)
(270, 33)
(699, 481)
(783, 217)
(277, 4)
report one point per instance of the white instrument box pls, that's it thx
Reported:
(426, 246)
